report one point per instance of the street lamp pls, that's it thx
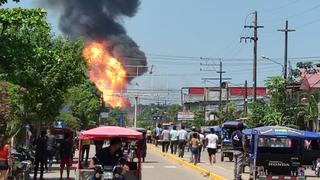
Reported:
(275, 62)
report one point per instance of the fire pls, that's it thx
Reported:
(107, 73)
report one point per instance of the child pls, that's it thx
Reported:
(195, 143)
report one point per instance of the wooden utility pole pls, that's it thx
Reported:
(285, 64)
(245, 97)
(220, 87)
(255, 51)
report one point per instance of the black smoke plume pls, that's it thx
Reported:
(100, 20)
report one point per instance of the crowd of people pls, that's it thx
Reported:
(196, 141)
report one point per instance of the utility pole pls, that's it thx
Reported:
(135, 110)
(220, 88)
(285, 64)
(246, 97)
(255, 51)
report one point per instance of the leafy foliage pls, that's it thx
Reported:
(84, 103)
(32, 58)
(5, 1)
(70, 120)
(229, 112)
(114, 117)
(198, 119)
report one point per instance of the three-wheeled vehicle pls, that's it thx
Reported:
(105, 133)
(276, 153)
(310, 153)
(228, 128)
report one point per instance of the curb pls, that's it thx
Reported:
(198, 169)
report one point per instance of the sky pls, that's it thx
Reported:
(178, 35)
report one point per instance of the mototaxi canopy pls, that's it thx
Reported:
(108, 132)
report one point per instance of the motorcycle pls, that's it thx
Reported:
(22, 163)
(317, 167)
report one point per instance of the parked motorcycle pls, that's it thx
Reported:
(317, 167)
(22, 163)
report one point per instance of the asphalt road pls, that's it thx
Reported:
(157, 167)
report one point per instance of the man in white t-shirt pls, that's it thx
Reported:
(211, 142)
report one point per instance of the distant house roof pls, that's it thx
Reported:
(310, 81)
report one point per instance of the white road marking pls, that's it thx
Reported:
(148, 167)
(170, 167)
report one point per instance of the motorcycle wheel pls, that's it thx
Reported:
(318, 173)
(231, 157)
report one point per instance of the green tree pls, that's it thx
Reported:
(198, 119)
(11, 108)
(30, 57)
(114, 117)
(83, 101)
(229, 112)
(5, 1)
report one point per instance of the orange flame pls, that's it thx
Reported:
(107, 73)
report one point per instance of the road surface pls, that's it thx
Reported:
(156, 167)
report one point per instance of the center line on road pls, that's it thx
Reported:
(170, 167)
(148, 167)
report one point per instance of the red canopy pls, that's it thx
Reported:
(107, 132)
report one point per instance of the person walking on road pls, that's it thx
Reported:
(190, 136)
(157, 133)
(195, 143)
(182, 137)
(238, 142)
(66, 155)
(4, 158)
(211, 144)
(51, 145)
(149, 135)
(41, 154)
(201, 138)
(173, 140)
(165, 139)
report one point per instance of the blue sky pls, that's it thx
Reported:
(211, 28)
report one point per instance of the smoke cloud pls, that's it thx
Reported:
(100, 20)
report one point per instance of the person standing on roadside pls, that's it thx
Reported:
(165, 139)
(85, 149)
(182, 137)
(201, 138)
(238, 142)
(190, 136)
(41, 154)
(195, 143)
(66, 155)
(149, 134)
(51, 145)
(4, 158)
(211, 144)
(173, 140)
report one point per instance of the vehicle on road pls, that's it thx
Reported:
(310, 153)
(132, 140)
(276, 153)
(228, 128)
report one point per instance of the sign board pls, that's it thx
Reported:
(157, 118)
(185, 116)
(193, 98)
(60, 124)
(104, 115)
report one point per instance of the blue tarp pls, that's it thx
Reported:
(217, 129)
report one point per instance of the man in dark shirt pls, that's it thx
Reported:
(66, 154)
(41, 152)
(108, 156)
(51, 144)
(238, 142)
